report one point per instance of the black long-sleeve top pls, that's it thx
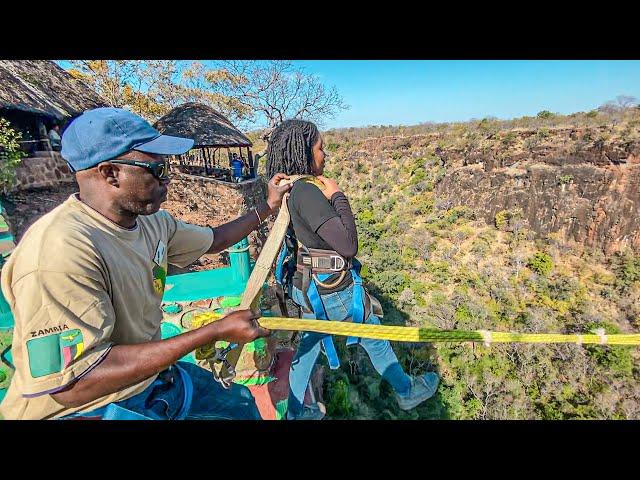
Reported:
(323, 224)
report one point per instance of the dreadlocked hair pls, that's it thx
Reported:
(290, 148)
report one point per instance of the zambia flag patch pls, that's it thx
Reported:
(159, 279)
(53, 353)
(71, 346)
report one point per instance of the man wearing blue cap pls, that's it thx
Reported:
(85, 285)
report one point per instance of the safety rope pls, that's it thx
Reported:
(416, 334)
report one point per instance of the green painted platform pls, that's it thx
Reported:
(169, 330)
(189, 287)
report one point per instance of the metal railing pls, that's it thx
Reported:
(44, 142)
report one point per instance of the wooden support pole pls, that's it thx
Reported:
(252, 168)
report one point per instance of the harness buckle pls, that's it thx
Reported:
(221, 354)
(334, 263)
(337, 260)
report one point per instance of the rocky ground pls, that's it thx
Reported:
(27, 206)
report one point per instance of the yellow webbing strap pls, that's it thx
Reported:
(415, 334)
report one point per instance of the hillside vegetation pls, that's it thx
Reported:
(435, 264)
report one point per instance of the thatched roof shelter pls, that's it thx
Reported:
(207, 127)
(41, 87)
(213, 135)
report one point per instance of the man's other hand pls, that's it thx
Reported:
(241, 327)
(277, 191)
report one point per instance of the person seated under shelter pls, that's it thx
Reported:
(54, 138)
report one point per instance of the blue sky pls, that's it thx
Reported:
(390, 92)
(410, 92)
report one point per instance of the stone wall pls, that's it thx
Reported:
(44, 169)
(212, 201)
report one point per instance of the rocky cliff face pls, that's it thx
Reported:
(593, 205)
(582, 184)
(584, 189)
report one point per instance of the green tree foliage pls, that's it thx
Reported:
(626, 266)
(10, 155)
(541, 263)
(151, 88)
(545, 114)
(564, 179)
(340, 404)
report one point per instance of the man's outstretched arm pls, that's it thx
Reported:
(232, 232)
(127, 365)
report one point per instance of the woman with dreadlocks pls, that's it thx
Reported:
(323, 274)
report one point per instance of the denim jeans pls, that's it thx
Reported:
(337, 306)
(164, 398)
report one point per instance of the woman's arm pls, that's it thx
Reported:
(339, 232)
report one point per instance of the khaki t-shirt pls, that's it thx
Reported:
(78, 284)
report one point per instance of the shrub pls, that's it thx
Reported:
(564, 179)
(531, 143)
(332, 146)
(463, 314)
(508, 220)
(340, 403)
(10, 155)
(417, 176)
(541, 263)
(439, 270)
(542, 133)
(501, 219)
(391, 282)
(509, 138)
(627, 269)
(545, 114)
(421, 204)
(614, 358)
(366, 216)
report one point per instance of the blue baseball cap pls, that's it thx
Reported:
(102, 134)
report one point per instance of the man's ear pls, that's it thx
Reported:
(109, 172)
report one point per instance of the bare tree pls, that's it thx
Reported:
(626, 101)
(621, 102)
(273, 91)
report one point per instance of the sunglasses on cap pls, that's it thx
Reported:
(160, 170)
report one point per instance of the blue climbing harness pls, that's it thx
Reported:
(286, 266)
